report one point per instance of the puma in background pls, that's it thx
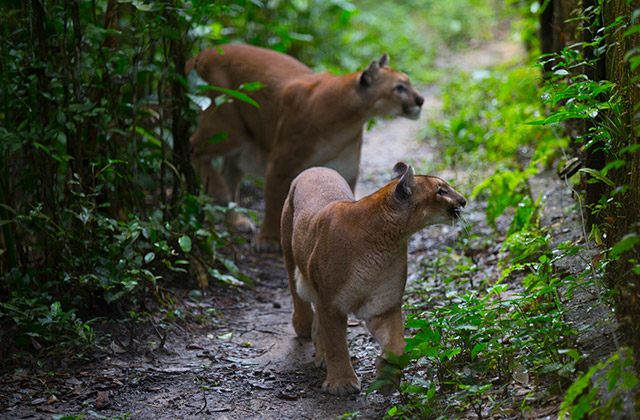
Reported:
(305, 119)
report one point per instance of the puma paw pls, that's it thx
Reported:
(342, 386)
(240, 223)
(302, 327)
(266, 245)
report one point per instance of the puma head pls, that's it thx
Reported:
(391, 90)
(428, 199)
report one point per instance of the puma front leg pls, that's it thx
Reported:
(332, 334)
(388, 330)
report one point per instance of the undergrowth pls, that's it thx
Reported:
(497, 341)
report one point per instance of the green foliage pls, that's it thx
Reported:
(585, 398)
(572, 93)
(485, 128)
(97, 201)
(485, 115)
(472, 349)
(414, 32)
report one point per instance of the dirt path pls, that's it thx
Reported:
(251, 365)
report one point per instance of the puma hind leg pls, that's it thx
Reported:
(303, 318)
(303, 314)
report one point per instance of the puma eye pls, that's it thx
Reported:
(442, 192)
(400, 89)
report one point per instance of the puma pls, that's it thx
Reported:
(345, 256)
(304, 120)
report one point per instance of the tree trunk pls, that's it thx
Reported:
(178, 104)
(625, 219)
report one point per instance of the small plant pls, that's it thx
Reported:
(587, 397)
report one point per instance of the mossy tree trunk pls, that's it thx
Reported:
(624, 219)
(619, 153)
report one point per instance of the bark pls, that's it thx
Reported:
(625, 219)
(178, 104)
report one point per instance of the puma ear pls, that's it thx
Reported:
(398, 170)
(405, 184)
(370, 74)
(384, 60)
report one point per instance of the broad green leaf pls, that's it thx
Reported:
(148, 135)
(185, 243)
(203, 102)
(598, 175)
(140, 5)
(625, 244)
(233, 93)
(477, 349)
(250, 87)
(218, 137)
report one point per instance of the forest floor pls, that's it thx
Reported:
(248, 363)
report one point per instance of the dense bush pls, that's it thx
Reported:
(98, 198)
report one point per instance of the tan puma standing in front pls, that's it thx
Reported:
(346, 256)
(304, 120)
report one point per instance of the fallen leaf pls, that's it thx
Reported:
(46, 409)
(520, 374)
(597, 259)
(192, 346)
(226, 336)
(117, 348)
(288, 397)
(103, 399)
(38, 401)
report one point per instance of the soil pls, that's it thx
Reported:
(247, 362)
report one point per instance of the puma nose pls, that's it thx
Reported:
(419, 100)
(462, 201)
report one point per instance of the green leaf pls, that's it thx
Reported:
(250, 87)
(140, 5)
(477, 349)
(576, 390)
(233, 93)
(149, 257)
(625, 244)
(148, 135)
(573, 353)
(203, 102)
(218, 137)
(185, 243)
(597, 175)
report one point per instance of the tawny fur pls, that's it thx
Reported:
(345, 256)
(304, 120)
